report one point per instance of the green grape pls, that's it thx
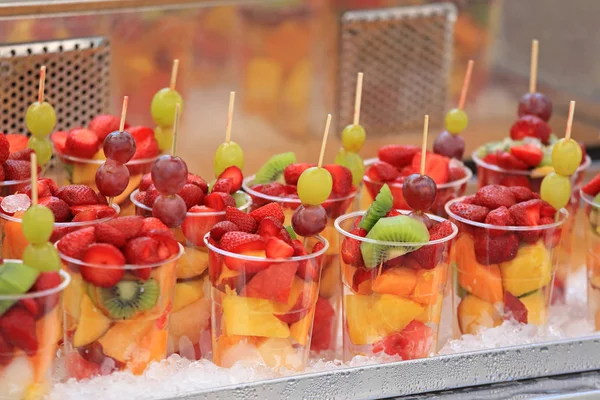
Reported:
(163, 106)
(164, 137)
(314, 186)
(566, 156)
(228, 154)
(556, 190)
(38, 223)
(42, 148)
(456, 121)
(240, 199)
(40, 119)
(43, 257)
(353, 137)
(353, 162)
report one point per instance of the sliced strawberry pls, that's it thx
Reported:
(494, 196)
(233, 173)
(6, 350)
(592, 187)
(456, 170)
(393, 213)
(23, 155)
(2, 173)
(529, 154)
(491, 158)
(219, 201)
(316, 248)
(15, 170)
(292, 172)
(414, 341)
(499, 217)
(244, 221)
(526, 213)
(192, 195)
(152, 223)
(145, 149)
(382, 172)
(508, 161)
(547, 210)
(106, 268)
(145, 182)
(277, 248)
(30, 305)
(75, 244)
(237, 242)
(436, 166)
(515, 308)
(101, 210)
(4, 148)
(130, 226)
(342, 179)
(101, 199)
(59, 140)
(167, 245)
(85, 216)
(82, 143)
(471, 212)
(59, 208)
(17, 326)
(271, 209)
(80, 368)
(430, 256)
(521, 193)
(222, 185)
(109, 234)
(150, 196)
(198, 222)
(102, 125)
(269, 226)
(196, 180)
(222, 228)
(496, 249)
(397, 155)
(141, 133)
(351, 253)
(16, 142)
(274, 189)
(142, 251)
(76, 195)
(46, 281)
(530, 126)
(43, 189)
(283, 235)
(322, 327)
(273, 283)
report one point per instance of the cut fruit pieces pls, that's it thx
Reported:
(186, 293)
(247, 316)
(15, 278)
(48, 331)
(122, 341)
(15, 378)
(474, 314)
(433, 312)
(530, 270)
(300, 330)
(430, 283)
(537, 307)
(278, 353)
(189, 322)
(92, 323)
(126, 299)
(330, 277)
(397, 281)
(193, 262)
(274, 283)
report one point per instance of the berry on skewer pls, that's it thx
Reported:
(162, 109)
(353, 138)
(40, 120)
(229, 153)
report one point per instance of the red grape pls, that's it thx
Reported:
(169, 174)
(421, 216)
(449, 145)
(309, 220)
(112, 178)
(535, 104)
(419, 192)
(119, 146)
(170, 210)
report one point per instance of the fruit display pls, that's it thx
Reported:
(265, 284)
(15, 166)
(122, 292)
(590, 193)
(504, 257)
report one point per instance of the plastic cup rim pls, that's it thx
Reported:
(80, 224)
(588, 199)
(66, 280)
(14, 182)
(480, 163)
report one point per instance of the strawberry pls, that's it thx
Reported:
(168, 247)
(2, 173)
(192, 195)
(15, 170)
(237, 242)
(491, 158)
(222, 228)
(306, 269)
(46, 281)
(80, 368)
(222, 185)
(75, 244)
(436, 166)
(530, 126)
(77, 195)
(529, 154)
(146, 149)
(154, 224)
(456, 170)
(342, 179)
(59, 208)
(85, 216)
(109, 234)
(471, 212)
(592, 187)
(494, 196)
(233, 173)
(508, 161)
(269, 226)
(17, 326)
(412, 342)
(4, 148)
(351, 253)
(16, 142)
(547, 210)
(526, 213)
(515, 308)
(277, 248)
(499, 217)
(141, 133)
(146, 182)
(322, 328)
(101, 211)
(101, 199)
(244, 221)
(271, 209)
(82, 143)
(130, 226)
(196, 180)
(429, 257)
(150, 196)
(283, 235)
(274, 189)
(292, 172)
(397, 155)
(198, 223)
(219, 201)
(59, 140)
(107, 267)
(494, 250)
(551, 236)
(30, 305)
(43, 189)
(22, 155)
(274, 282)
(6, 349)
(392, 213)
(382, 172)
(59, 232)
(102, 125)
(142, 250)
(298, 247)
(521, 193)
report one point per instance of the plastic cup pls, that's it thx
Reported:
(263, 309)
(445, 191)
(394, 308)
(330, 289)
(105, 334)
(502, 272)
(26, 374)
(189, 324)
(592, 244)
(11, 187)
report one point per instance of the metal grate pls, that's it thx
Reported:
(77, 80)
(405, 53)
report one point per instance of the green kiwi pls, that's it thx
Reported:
(127, 298)
(290, 230)
(240, 199)
(379, 208)
(400, 229)
(273, 169)
(15, 278)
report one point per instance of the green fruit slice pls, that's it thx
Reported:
(15, 278)
(353, 162)
(274, 168)
(379, 208)
(400, 229)
(291, 232)
(126, 299)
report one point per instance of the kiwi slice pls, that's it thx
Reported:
(15, 278)
(379, 208)
(127, 298)
(273, 169)
(290, 230)
(400, 229)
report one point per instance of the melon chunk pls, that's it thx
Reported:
(248, 316)
(475, 314)
(397, 281)
(92, 323)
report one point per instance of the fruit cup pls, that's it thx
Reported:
(263, 309)
(330, 289)
(115, 327)
(396, 306)
(502, 272)
(592, 238)
(11, 187)
(29, 333)
(189, 324)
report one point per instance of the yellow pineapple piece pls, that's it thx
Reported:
(92, 323)
(248, 316)
(537, 310)
(186, 293)
(189, 322)
(530, 270)
(192, 263)
(474, 314)
(299, 330)
(330, 278)
(123, 341)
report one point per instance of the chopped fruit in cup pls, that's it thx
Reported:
(265, 295)
(590, 193)
(15, 166)
(503, 257)
(30, 318)
(121, 296)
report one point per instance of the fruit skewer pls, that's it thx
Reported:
(162, 110)
(229, 153)
(40, 120)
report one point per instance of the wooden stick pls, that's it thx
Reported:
(570, 120)
(424, 144)
(34, 180)
(42, 84)
(174, 71)
(358, 98)
(465, 87)
(229, 117)
(534, 66)
(324, 143)
(175, 129)
(123, 113)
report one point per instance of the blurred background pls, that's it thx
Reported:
(293, 61)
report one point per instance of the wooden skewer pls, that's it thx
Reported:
(175, 129)
(570, 120)
(42, 84)
(229, 117)
(324, 143)
(534, 66)
(174, 71)
(424, 144)
(358, 98)
(34, 180)
(465, 87)
(123, 113)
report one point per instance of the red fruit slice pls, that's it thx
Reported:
(17, 326)
(141, 133)
(145, 182)
(85, 216)
(382, 172)
(219, 201)
(46, 281)
(322, 326)
(351, 248)
(59, 208)
(104, 124)
(269, 227)
(277, 248)
(508, 161)
(496, 249)
(101, 210)
(222, 185)
(436, 166)
(129, 226)
(273, 283)
(198, 222)
(244, 221)
(514, 308)
(429, 257)
(76, 195)
(592, 187)
(79, 368)
(521, 193)
(76, 243)
(154, 224)
(529, 154)
(530, 126)
(192, 195)
(238, 242)
(109, 234)
(271, 209)
(515, 180)
(198, 181)
(499, 217)
(233, 173)
(167, 247)
(494, 196)
(414, 341)
(526, 213)
(292, 172)
(15, 170)
(107, 261)
(222, 228)
(82, 143)
(471, 212)
(142, 250)
(16, 142)
(397, 155)
(59, 139)
(342, 179)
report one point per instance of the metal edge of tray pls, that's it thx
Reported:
(424, 375)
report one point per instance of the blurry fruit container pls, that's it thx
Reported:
(592, 246)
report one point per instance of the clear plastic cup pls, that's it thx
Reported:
(11, 187)
(123, 327)
(189, 324)
(502, 272)
(330, 289)
(263, 309)
(592, 244)
(26, 373)
(394, 308)
(445, 191)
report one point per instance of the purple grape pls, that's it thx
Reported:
(535, 104)
(419, 192)
(309, 220)
(421, 216)
(169, 174)
(170, 210)
(449, 145)
(112, 178)
(119, 146)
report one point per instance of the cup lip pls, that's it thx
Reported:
(80, 224)
(588, 199)
(248, 189)
(127, 267)
(66, 280)
(337, 223)
(480, 163)
(512, 228)
(193, 214)
(254, 258)
(458, 182)
(14, 182)
(139, 161)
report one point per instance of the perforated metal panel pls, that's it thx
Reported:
(77, 80)
(405, 54)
